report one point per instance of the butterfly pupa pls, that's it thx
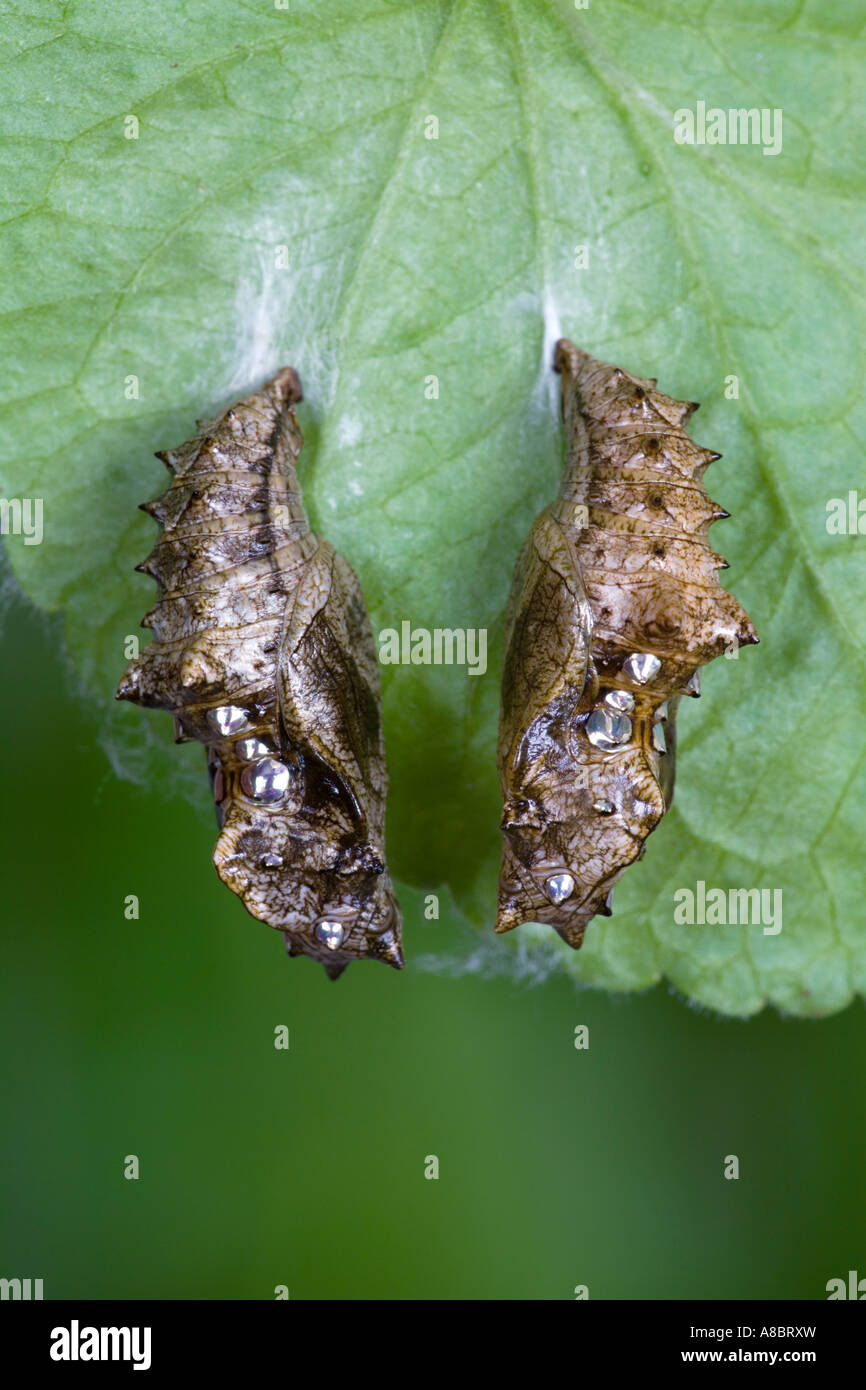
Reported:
(262, 650)
(614, 608)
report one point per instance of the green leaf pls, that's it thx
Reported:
(411, 257)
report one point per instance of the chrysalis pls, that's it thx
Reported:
(263, 652)
(614, 608)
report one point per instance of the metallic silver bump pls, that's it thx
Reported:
(641, 667)
(622, 700)
(558, 887)
(266, 780)
(330, 934)
(228, 720)
(249, 748)
(608, 729)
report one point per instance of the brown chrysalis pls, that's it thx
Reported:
(263, 651)
(614, 608)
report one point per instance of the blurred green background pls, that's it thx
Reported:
(306, 1168)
